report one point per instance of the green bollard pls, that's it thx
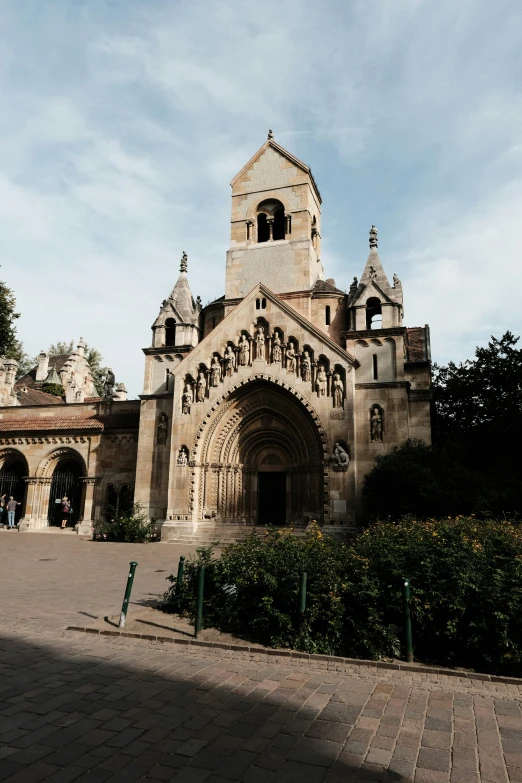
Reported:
(407, 620)
(199, 601)
(179, 579)
(130, 579)
(302, 600)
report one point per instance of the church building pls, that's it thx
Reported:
(266, 407)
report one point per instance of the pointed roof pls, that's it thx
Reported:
(270, 142)
(181, 301)
(53, 376)
(374, 275)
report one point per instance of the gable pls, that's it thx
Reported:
(366, 291)
(279, 315)
(271, 167)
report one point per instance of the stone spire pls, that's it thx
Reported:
(181, 295)
(374, 270)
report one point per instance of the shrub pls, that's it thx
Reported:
(466, 582)
(131, 527)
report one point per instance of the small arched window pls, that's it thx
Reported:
(327, 315)
(373, 313)
(271, 220)
(170, 331)
(262, 228)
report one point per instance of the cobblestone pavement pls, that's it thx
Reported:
(90, 708)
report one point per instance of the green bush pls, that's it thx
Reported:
(466, 582)
(131, 527)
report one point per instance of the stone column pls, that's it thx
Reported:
(83, 527)
(31, 502)
(329, 383)
(270, 221)
(250, 350)
(298, 365)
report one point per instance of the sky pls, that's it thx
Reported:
(123, 122)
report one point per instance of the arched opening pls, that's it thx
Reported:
(12, 484)
(266, 455)
(111, 501)
(170, 331)
(125, 499)
(373, 313)
(66, 482)
(271, 220)
(279, 224)
(263, 233)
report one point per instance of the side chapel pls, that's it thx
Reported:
(267, 406)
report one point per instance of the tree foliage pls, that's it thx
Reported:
(8, 316)
(473, 467)
(466, 598)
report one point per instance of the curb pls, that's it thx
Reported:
(405, 667)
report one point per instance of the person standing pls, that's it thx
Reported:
(2, 507)
(66, 507)
(11, 510)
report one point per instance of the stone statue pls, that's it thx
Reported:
(290, 357)
(306, 367)
(338, 391)
(372, 273)
(229, 360)
(109, 384)
(201, 387)
(396, 280)
(260, 344)
(162, 430)
(182, 456)
(187, 399)
(215, 372)
(340, 458)
(277, 353)
(376, 425)
(353, 287)
(321, 382)
(243, 351)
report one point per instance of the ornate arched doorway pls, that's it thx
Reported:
(260, 458)
(13, 471)
(66, 480)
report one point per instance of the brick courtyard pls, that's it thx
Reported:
(88, 708)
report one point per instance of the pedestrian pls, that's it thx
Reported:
(66, 506)
(2, 507)
(11, 509)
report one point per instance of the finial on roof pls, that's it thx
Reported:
(184, 263)
(270, 133)
(373, 237)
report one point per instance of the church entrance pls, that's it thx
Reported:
(271, 488)
(261, 460)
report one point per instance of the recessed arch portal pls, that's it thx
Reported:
(13, 470)
(260, 428)
(66, 468)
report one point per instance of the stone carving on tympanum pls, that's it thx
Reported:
(162, 430)
(340, 458)
(187, 398)
(306, 367)
(376, 425)
(321, 382)
(338, 391)
(244, 350)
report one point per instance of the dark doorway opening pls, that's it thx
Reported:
(272, 498)
(65, 481)
(12, 483)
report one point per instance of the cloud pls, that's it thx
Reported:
(123, 124)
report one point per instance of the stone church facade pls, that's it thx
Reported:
(267, 406)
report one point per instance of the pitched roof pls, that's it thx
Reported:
(288, 155)
(47, 423)
(324, 287)
(55, 362)
(29, 396)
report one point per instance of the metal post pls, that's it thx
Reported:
(179, 578)
(130, 579)
(199, 601)
(302, 600)
(407, 620)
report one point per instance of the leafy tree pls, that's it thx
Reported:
(8, 317)
(484, 392)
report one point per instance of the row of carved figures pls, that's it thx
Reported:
(324, 382)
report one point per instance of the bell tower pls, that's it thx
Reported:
(275, 236)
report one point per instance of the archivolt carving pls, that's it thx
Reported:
(44, 466)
